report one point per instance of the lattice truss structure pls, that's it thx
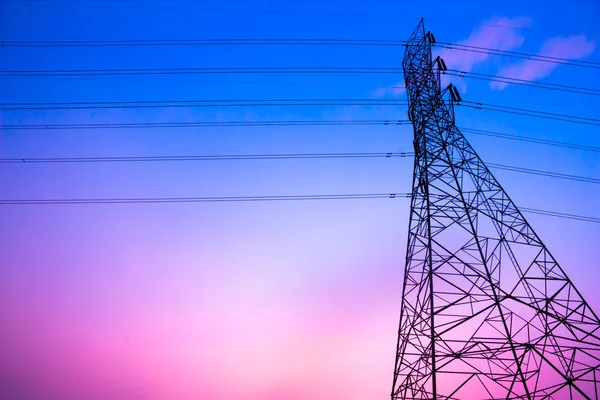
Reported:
(487, 312)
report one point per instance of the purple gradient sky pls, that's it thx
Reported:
(284, 300)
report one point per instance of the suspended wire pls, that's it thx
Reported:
(296, 83)
(284, 102)
(139, 200)
(560, 215)
(144, 102)
(146, 200)
(268, 82)
(530, 113)
(535, 56)
(199, 103)
(282, 123)
(544, 173)
(514, 54)
(286, 41)
(531, 140)
(206, 124)
(318, 84)
(201, 42)
(524, 82)
(232, 157)
(225, 157)
(500, 135)
(196, 71)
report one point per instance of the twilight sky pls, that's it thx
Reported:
(267, 300)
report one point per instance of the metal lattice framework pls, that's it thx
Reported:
(487, 312)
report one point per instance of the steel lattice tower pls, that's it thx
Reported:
(487, 312)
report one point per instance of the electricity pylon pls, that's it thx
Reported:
(487, 312)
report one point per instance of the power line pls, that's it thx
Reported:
(530, 113)
(147, 200)
(283, 102)
(267, 82)
(514, 54)
(205, 124)
(561, 215)
(197, 71)
(296, 83)
(201, 42)
(232, 157)
(140, 200)
(537, 56)
(288, 41)
(225, 157)
(500, 135)
(524, 82)
(136, 102)
(531, 140)
(198, 103)
(544, 173)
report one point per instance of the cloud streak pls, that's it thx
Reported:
(488, 35)
(394, 91)
(572, 47)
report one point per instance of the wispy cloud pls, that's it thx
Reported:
(572, 47)
(487, 35)
(396, 90)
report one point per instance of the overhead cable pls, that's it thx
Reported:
(202, 103)
(530, 139)
(224, 157)
(514, 54)
(530, 113)
(201, 42)
(233, 157)
(147, 200)
(140, 200)
(214, 124)
(524, 82)
(560, 215)
(480, 132)
(199, 71)
(544, 173)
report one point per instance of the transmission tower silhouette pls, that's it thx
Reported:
(487, 312)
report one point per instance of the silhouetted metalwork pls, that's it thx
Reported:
(487, 312)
